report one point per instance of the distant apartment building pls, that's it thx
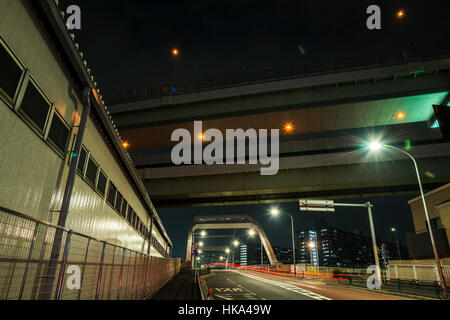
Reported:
(331, 247)
(438, 205)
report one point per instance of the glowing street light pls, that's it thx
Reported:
(400, 14)
(276, 212)
(227, 250)
(200, 244)
(251, 233)
(236, 243)
(375, 146)
(203, 233)
(312, 245)
(125, 145)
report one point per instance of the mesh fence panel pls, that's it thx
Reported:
(42, 261)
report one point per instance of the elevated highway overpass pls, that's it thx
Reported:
(333, 111)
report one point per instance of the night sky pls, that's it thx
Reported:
(127, 45)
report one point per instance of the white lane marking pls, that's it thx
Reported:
(239, 285)
(287, 287)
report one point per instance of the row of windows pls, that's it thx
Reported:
(22, 93)
(94, 176)
(120, 204)
(90, 171)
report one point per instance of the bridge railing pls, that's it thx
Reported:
(284, 73)
(42, 261)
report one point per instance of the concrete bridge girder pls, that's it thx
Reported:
(257, 96)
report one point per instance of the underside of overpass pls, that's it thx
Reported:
(333, 114)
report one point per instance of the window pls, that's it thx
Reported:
(91, 171)
(130, 214)
(59, 133)
(10, 73)
(119, 199)
(82, 160)
(101, 183)
(123, 212)
(35, 106)
(136, 221)
(112, 194)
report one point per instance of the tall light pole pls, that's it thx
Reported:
(227, 251)
(375, 146)
(251, 234)
(235, 244)
(394, 230)
(313, 249)
(276, 212)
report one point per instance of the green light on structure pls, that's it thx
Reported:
(408, 144)
(393, 229)
(435, 125)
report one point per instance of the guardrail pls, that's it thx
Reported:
(277, 74)
(42, 261)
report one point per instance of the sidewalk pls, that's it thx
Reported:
(181, 287)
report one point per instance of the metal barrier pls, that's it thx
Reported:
(84, 268)
(285, 73)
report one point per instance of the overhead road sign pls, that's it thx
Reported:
(316, 205)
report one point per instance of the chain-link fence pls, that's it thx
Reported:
(39, 260)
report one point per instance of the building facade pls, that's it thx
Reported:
(43, 74)
(438, 206)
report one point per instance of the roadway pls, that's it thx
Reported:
(247, 285)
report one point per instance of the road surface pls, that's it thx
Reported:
(247, 285)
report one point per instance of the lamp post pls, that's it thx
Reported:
(375, 146)
(235, 244)
(314, 249)
(202, 234)
(394, 230)
(251, 234)
(227, 251)
(276, 212)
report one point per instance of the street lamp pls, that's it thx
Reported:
(394, 230)
(276, 212)
(375, 146)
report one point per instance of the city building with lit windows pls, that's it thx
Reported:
(331, 247)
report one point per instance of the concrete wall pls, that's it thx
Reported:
(32, 174)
